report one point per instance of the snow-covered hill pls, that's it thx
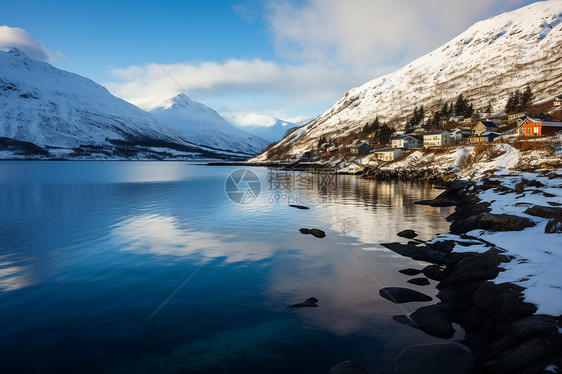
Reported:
(51, 107)
(486, 63)
(202, 125)
(267, 127)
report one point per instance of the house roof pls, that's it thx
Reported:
(382, 150)
(489, 123)
(417, 137)
(433, 133)
(552, 124)
(359, 145)
(487, 133)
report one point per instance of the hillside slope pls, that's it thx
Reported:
(486, 63)
(267, 127)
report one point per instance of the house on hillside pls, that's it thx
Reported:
(458, 134)
(484, 126)
(407, 141)
(308, 155)
(332, 151)
(539, 127)
(485, 137)
(436, 138)
(558, 100)
(512, 118)
(388, 154)
(361, 148)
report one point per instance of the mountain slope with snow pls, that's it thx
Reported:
(51, 107)
(267, 127)
(203, 126)
(486, 64)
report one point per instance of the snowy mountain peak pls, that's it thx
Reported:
(204, 126)
(179, 101)
(14, 52)
(267, 127)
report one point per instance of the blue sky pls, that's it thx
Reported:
(283, 58)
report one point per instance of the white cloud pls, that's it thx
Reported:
(34, 48)
(365, 32)
(332, 46)
(222, 84)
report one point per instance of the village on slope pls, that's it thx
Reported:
(456, 130)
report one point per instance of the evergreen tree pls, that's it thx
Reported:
(489, 108)
(526, 97)
(384, 134)
(460, 106)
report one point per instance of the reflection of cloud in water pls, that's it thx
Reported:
(12, 277)
(164, 235)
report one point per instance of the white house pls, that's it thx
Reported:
(558, 100)
(459, 134)
(407, 141)
(436, 138)
(388, 154)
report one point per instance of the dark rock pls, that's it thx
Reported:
(435, 359)
(348, 367)
(553, 226)
(310, 302)
(408, 234)
(442, 246)
(433, 321)
(468, 209)
(437, 202)
(420, 253)
(304, 231)
(317, 233)
(518, 332)
(419, 281)
(399, 295)
(553, 203)
(433, 272)
(544, 211)
(491, 222)
(405, 320)
(471, 268)
(302, 207)
(410, 271)
(516, 358)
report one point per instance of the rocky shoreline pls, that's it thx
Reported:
(502, 331)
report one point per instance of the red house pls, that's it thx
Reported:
(538, 127)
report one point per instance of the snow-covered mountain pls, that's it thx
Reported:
(51, 107)
(267, 127)
(486, 64)
(202, 125)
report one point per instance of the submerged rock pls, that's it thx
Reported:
(314, 232)
(437, 202)
(408, 234)
(433, 272)
(433, 321)
(419, 252)
(419, 281)
(348, 367)
(399, 295)
(310, 303)
(410, 271)
(435, 359)
(302, 207)
(317, 233)
(405, 320)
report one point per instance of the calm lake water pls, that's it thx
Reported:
(149, 267)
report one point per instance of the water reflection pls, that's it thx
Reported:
(89, 250)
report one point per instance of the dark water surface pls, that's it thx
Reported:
(149, 267)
